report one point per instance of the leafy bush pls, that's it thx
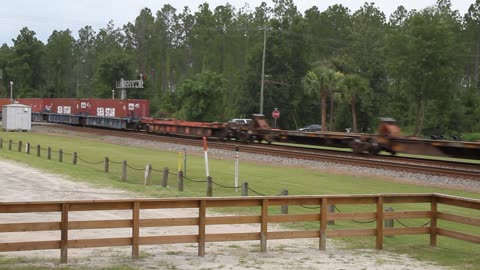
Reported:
(471, 137)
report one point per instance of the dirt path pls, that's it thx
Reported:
(22, 183)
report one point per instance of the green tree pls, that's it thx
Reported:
(352, 86)
(25, 65)
(111, 68)
(321, 80)
(61, 81)
(367, 58)
(327, 32)
(141, 38)
(423, 61)
(200, 98)
(472, 36)
(85, 57)
(6, 54)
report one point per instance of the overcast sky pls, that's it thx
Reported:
(44, 16)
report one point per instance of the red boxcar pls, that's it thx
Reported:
(4, 101)
(117, 108)
(120, 108)
(62, 105)
(36, 103)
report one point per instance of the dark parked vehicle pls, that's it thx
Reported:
(311, 128)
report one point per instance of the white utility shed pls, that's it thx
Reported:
(16, 117)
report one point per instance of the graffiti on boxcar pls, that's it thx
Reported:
(64, 109)
(108, 112)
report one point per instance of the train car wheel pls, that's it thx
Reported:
(244, 137)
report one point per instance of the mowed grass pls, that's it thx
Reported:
(265, 179)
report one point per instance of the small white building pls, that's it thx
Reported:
(16, 117)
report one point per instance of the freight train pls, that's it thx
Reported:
(110, 113)
(133, 114)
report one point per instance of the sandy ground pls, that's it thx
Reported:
(22, 183)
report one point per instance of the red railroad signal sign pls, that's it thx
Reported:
(276, 114)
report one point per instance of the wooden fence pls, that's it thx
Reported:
(263, 219)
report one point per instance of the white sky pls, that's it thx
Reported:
(44, 16)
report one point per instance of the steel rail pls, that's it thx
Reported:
(458, 169)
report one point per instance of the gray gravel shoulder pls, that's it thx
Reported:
(469, 185)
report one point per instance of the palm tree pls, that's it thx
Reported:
(323, 79)
(353, 85)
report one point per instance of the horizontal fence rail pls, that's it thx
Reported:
(201, 221)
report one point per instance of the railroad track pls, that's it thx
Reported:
(459, 169)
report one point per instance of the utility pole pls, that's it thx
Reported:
(263, 68)
(11, 91)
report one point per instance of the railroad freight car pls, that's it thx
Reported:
(108, 113)
(118, 114)
(257, 130)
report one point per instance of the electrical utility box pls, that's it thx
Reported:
(16, 117)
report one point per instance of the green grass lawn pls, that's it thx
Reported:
(262, 178)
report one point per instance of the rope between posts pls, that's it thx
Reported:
(114, 162)
(406, 226)
(197, 181)
(67, 154)
(171, 173)
(133, 168)
(220, 185)
(94, 163)
(159, 171)
(357, 221)
(310, 207)
(258, 193)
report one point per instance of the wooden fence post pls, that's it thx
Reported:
(75, 156)
(49, 153)
(124, 171)
(202, 213)
(64, 234)
(19, 146)
(105, 164)
(135, 230)
(284, 208)
(264, 226)
(146, 176)
(245, 189)
(60, 155)
(209, 187)
(165, 177)
(323, 223)
(433, 222)
(28, 148)
(38, 150)
(10, 145)
(180, 181)
(379, 240)
(1, 143)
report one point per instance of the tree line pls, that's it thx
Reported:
(337, 67)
